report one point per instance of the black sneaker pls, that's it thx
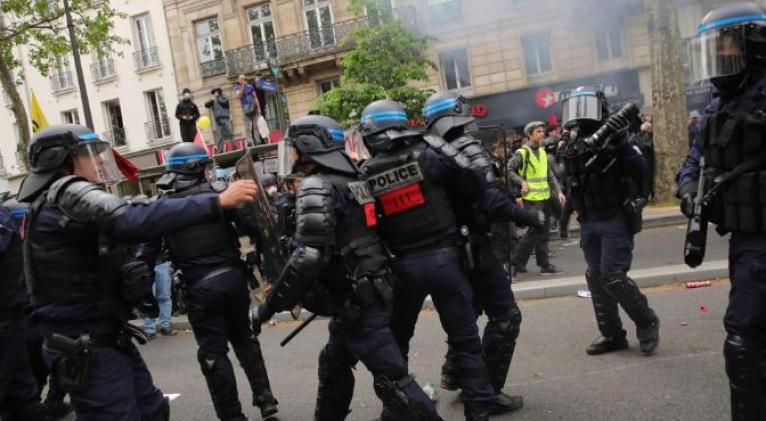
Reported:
(649, 337)
(551, 270)
(504, 404)
(603, 345)
(168, 331)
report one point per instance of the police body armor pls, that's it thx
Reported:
(478, 156)
(596, 182)
(85, 270)
(200, 240)
(416, 214)
(731, 136)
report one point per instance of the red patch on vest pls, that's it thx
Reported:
(369, 215)
(402, 199)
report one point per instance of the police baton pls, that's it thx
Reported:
(297, 330)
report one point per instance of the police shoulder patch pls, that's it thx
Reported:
(361, 192)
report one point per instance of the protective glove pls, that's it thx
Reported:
(137, 280)
(532, 219)
(687, 204)
(263, 313)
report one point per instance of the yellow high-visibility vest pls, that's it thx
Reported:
(534, 170)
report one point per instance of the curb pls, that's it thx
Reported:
(563, 287)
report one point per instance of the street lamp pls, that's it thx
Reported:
(78, 67)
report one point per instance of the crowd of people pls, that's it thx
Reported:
(364, 244)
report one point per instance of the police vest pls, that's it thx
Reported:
(83, 270)
(203, 239)
(534, 170)
(731, 136)
(595, 183)
(415, 209)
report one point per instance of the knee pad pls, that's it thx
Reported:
(207, 361)
(506, 327)
(744, 362)
(391, 393)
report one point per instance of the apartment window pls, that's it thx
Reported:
(158, 125)
(102, 67)
(145, 55)
(262, 30)
(210, 47)
(325, 86)
(61, 77)
(609, 44)
(443, 10)
(537, 53)
(115, 133)
(454, 65)
(384, 11)
(70, 117)
(319, 22)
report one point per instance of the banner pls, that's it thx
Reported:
(39, 121)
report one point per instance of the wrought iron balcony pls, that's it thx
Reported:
(157, 129)
(146, 59)
(213, 68)
(62, 82)
(249, 59)
(116, 137)
(102, 70)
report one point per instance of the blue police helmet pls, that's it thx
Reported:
(49, 150)
(444, 111)
(381, 116)
(187, 158)
(323, 139)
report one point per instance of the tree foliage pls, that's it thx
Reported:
(39, 27)
(387, 56)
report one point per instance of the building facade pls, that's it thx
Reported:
(132, 92)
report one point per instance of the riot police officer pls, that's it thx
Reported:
(19, 390)
(609, 185)
(81, 282)
(340, 269)
(730, 151)
(216, 278)
(414, 180)
(446, 115)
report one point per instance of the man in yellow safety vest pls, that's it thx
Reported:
(529, 169)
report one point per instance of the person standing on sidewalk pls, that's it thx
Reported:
(735, 34)
(163, 278)
(609, 187)
(529, 168)
(251, 109)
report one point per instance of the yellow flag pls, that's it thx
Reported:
(39, 121)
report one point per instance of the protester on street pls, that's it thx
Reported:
(163, 279)
(187, 114)
(645, 140)
(529, 169)
(251, 109)
(224, 130)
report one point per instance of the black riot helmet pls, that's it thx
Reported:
(583, 106)
(188, 158)
(383, 122)
(730, 39)
(321, 139)
(71, 146)
(446, 111)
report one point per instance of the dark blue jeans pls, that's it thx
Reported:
(440, 274)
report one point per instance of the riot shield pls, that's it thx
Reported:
(267, 225)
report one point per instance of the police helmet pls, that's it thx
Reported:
(187, 158)
(323, 139)
(444, 111)
(583, 104)
(383, 122)
(728, 39)
(55, 147)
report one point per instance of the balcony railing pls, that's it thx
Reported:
(157, 129)
(213, 68)
(146, 59)
(102, 70)
(62, 82)
(250, 58)
(116, 137)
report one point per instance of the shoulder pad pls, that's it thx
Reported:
(85, 202)
(315, 212)
(446, 149)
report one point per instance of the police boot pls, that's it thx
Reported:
(745, 367)
(625, 291)
(504, 404)
(251, 360)
(608, 319)
(222, 385)
(476, 411)
(336, 384)
(499, 343)
(450, 372)
(649, 336)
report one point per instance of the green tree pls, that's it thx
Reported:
(40, 28)
(386, 57)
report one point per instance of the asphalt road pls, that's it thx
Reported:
(655, 247)
(685, 380)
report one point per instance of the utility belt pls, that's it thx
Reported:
(367, 292)
(78, 353)
(448, 244)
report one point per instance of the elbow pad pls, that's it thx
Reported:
(299, 273)
(85, 202)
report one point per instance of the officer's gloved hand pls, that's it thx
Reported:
(688, 196)
(137, 279)
(531, 219)
(262, 314)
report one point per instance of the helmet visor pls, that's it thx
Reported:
(717, 53)
(581, 106)
(95, 161)
(285, 154)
